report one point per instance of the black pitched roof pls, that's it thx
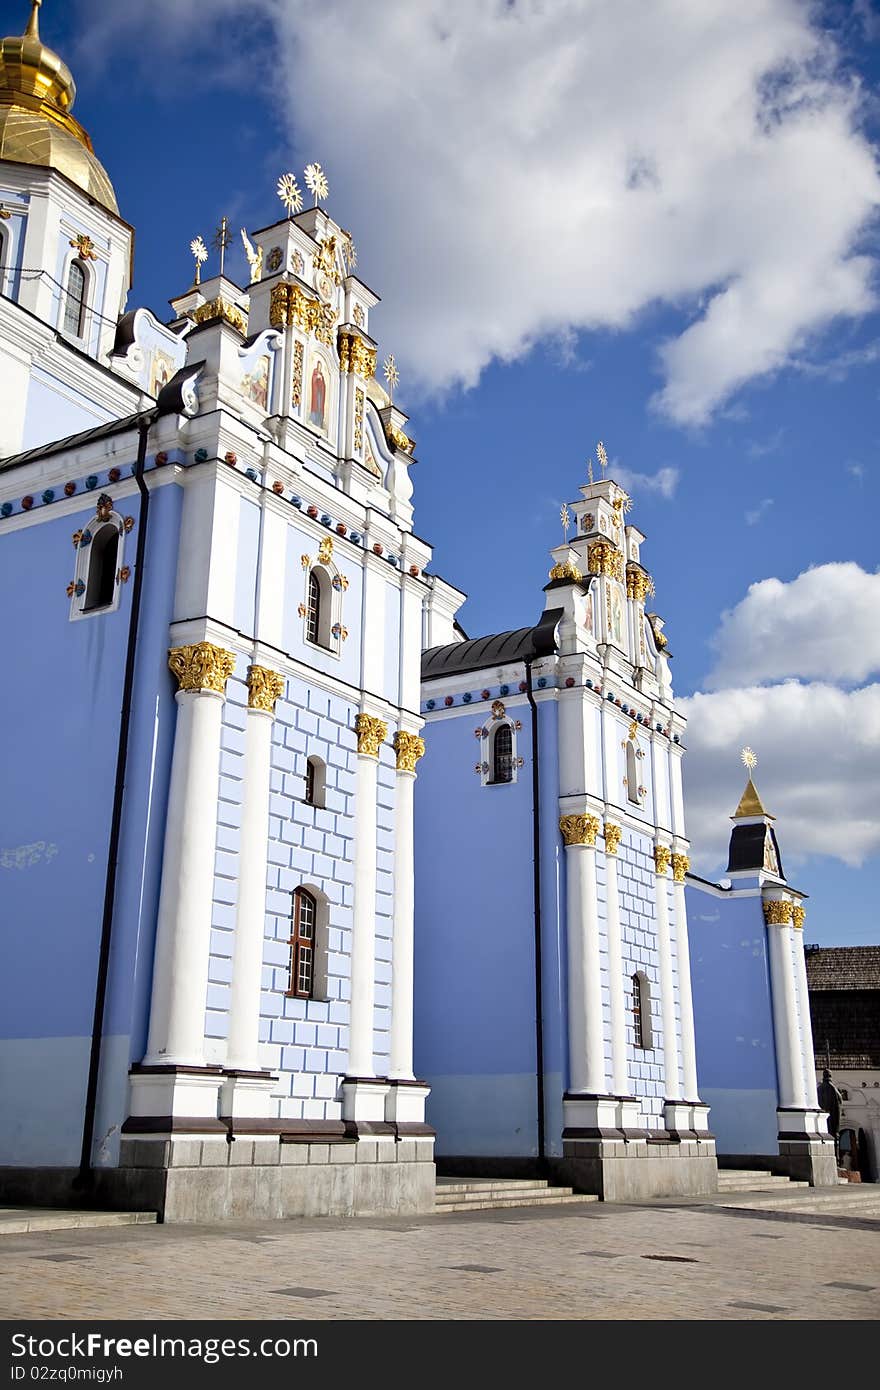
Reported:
(73, 441)
(499, 649)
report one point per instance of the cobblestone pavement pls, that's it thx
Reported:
(594, 1261)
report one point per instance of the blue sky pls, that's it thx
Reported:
(649, 224)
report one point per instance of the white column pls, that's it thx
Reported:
(680, 866)
(802, 994)
(619, 1070)
(409, 748)
(662, 856)
(243, 1045)
(586, 1050)
(789, 1067)
(370, 734)
(183, 934)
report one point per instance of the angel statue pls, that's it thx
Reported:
(254, 257)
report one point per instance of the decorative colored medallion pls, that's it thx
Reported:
(274, 259)
(84, 246)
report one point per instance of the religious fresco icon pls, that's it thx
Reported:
(617, 619)
(161, 371)
(318, 397)
(254, 385)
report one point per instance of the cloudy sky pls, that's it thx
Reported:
(647, 221)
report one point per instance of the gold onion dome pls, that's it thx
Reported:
(37, 92)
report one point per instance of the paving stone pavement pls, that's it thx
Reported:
(588, 1262)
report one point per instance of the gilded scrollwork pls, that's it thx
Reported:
(201, 666)
(579, 830)
(605, 558)
(291, 307)
(325, 550)
(680, 866)
(566, 571)
(371, 734)
(662, 859)
(778, 912)
(638, 584)
(220, 308)
(612, 838)
(409, 748)
(264, 688)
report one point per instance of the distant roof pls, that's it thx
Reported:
(843, 967)
(500, 649)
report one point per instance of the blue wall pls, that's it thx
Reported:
(59, 710)
(736, 1058)
(474, 944)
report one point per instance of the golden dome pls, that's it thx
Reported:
(37, 92)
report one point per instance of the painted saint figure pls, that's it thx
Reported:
(318, 398)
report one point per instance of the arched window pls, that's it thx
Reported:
(318, 603)
(75, 300)
(632, 774)
(302, 945)
(502, 754)
(641, 1011)
(316, 775)
(101, 584)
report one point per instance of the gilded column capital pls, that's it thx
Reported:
(409, 748)
(201, 666)
(778, 912)
(579, 830)
(264, 688)
(798, 914)
(370, 734)
(662, 858)
(612, 838)
(680, 866)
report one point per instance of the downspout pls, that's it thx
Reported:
(85, 1176)
(536, 891)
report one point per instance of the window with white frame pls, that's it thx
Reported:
(74, 310)
(641, 1011)
(100, 571)
(307, 970)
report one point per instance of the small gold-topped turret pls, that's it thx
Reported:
(37, 92)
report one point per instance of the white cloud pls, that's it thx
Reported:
(821, 624)
(663, 482)
(819, 768)
(519, 171)
(754, 516)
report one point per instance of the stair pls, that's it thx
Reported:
(755, 1180)
(861, 1200)
(493, 1194)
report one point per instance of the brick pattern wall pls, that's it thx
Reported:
(305, 1040)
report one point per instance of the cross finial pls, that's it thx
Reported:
(590, 471)
(222, 238)
(565, 518)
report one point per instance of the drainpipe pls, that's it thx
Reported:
(536, 891)
(85, 1176)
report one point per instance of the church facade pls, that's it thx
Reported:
(554, 1019)
(213, 719)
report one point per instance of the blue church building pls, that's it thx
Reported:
(554, 1019)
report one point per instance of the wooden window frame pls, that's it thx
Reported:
(637, 1007)
(299, 942)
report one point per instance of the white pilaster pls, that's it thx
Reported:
(370, 734)
(619, 1071)
(409, 748)
(243, 1047)
(680, 866)
(789, 1068)
(802, 999)
(183, 934)
(662, 856)
(586, 1051)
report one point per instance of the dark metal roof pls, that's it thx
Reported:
(73, 441)
(500, 649)
(748, 846)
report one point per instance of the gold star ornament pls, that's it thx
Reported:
(288, 191)
(749, 760)
(390, 372)
(199, 254)
(316, 182)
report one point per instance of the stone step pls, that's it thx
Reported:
(484, 1185)
(545, 1199)
(761, 1182)
(816, 1201)
(16, 1221)
(489, 1195)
